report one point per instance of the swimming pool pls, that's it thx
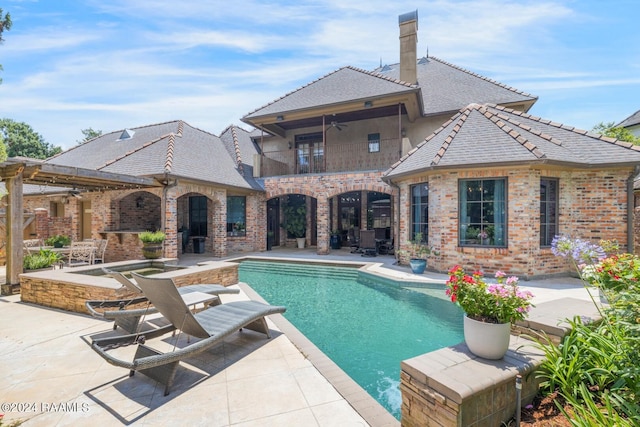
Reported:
(366, 324)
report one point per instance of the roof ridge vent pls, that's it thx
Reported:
(126, 134)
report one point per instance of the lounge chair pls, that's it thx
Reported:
(212, 325)
(129, 319)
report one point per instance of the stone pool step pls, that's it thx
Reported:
(299, 269)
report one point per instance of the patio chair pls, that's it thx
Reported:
(368, 243)
(32, 245)
(81, 253)
(386, 247)
(129, 319)
(101, 249)
(212, 325)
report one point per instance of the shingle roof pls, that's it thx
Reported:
(481, 135)
(632, 120)
(447, 88)
(240, 146)
(444, 87)
(343, 85)
(174, 148)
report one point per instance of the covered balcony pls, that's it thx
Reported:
(310, 157)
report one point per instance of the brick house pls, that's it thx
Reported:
(631, 123)
(326, 145)
(206, 194)
(492, 187)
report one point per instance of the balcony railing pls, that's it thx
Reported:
(344, 156)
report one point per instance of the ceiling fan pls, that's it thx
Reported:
(338, 125)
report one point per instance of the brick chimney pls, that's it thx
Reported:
(408, 46)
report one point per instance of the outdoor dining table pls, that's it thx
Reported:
(63, 250)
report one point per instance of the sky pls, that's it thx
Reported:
(70, 65)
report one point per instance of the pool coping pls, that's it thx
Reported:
(368, 408)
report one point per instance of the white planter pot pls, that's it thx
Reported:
(300, 241)
(487, 340)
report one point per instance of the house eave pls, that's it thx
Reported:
(538, 164)
(411, 99)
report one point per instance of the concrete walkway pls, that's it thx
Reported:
(51, 377)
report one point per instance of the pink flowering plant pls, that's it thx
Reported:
(501, 302)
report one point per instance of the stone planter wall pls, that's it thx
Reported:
(69, 291)
(451, 387)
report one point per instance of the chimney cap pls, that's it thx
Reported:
(407, 17)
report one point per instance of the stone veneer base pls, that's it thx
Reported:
(66, 289)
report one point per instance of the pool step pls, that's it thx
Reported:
(299, 269)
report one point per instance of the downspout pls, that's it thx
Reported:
(397, 215)
(630, 210)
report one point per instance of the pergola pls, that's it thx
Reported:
(17, 171)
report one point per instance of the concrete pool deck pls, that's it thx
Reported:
(52, 378)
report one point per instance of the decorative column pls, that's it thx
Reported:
(170, 222)
(322, 218)
(14, 221)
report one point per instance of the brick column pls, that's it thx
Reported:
(322, 218)
(42, 223)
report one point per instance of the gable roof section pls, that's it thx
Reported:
(446, 87)
(346, 84)
(489, 135)
(173, 148)
(240, 146)
(632, 120)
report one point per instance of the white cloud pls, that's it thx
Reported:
(134, 63)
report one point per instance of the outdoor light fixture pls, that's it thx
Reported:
(280, 118)
(368, 104)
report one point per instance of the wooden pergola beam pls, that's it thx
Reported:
(15, 172)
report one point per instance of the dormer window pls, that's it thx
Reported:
(126, 134)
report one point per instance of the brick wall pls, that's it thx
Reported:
(322, 188)
(593, 205)
(136, 210)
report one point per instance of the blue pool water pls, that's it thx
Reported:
(367, 325)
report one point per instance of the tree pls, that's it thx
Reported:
(3, 152)
(21, 140)
(89, 133)
(610, 130)
(5, 24)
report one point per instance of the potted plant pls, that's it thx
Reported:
(295, 222)
(43, 259)
(489, 309)
(417, 252)
(336, 240)
(152, 243)
(58, 241)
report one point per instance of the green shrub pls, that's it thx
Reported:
(596, 368)
(152, 236)
(43, 259)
